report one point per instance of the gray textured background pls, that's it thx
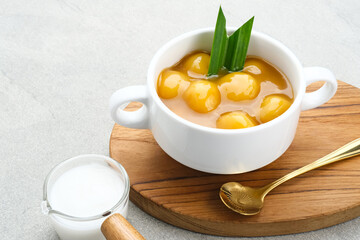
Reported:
(60, 60)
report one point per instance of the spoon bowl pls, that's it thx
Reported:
(242, 199)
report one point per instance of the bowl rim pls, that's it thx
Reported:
(293, 108)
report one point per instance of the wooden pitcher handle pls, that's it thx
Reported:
(116, 227)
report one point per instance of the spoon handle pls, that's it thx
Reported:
(348, 150)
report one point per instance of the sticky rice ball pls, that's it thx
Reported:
(273, 106)
(239, 86)
(202, 96)
(172, 83)
(235, 120)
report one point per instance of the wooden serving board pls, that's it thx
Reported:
(189, 199)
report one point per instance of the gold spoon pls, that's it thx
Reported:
(249, 201)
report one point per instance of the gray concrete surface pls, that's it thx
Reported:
(60, 60)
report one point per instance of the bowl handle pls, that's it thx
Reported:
(323, 94)
(121, 98)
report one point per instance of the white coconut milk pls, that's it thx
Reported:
(85, 191)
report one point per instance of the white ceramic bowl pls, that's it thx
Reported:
(214, 150)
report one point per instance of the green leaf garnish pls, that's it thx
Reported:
(238, 44)
(219, 46)
(229, 52)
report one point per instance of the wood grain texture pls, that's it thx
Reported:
(189, 199)
(116, 227)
